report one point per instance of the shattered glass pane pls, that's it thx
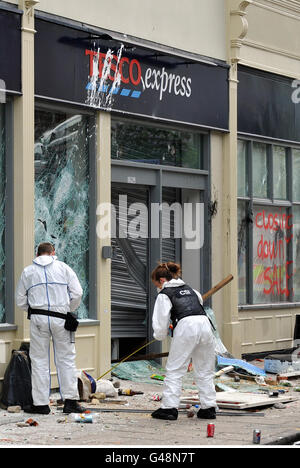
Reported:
(242, 251)
(272, 232)
(62, 191)
(296, 175)
(242, 172)
(296, 252)
(154, 145)
(2, 214)
(279, 173)
(260, 170)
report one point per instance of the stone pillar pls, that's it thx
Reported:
(24, 161)
(237, 28)
(103, 139)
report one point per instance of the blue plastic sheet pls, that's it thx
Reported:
(240, 364)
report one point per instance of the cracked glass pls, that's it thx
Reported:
(62, 191)
(2, 213)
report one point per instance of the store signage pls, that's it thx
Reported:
(125, 71)
(268, 105)
(75, 66)
(10, 53)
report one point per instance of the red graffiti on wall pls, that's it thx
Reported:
(275, 277)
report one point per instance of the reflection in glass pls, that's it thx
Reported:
(271, 269)
(154, 145)
(242, 251)
(2, 213)
(260, 170)
(296, 175)
(62, 191)
(279, 172)
(242, 165)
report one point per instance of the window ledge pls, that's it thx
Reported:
(7, 327)
(82, 323)
(88, 322)
(281, 305)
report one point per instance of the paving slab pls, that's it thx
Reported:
(121, 429)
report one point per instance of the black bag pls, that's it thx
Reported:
(71, 323)
(16, 389)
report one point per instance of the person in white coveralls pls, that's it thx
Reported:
(192, 338)
(48, 289)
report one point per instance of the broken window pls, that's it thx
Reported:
(2, 213)
(62, 191)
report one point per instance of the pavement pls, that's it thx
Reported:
(119, 429)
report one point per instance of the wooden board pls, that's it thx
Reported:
(290, 374)
(239, 400)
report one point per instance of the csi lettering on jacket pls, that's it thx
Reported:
(49, 284)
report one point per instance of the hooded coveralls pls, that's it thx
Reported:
(193, 338)
(50, 285)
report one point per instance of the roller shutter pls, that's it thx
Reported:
(129, 272)
(129, 267)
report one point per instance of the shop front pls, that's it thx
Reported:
(128, 126)
(119, 137)
(268, 209)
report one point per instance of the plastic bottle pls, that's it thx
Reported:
(83, 418)
(129, 392)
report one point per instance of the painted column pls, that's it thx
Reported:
(24, 161)
(103, 139)
(237, 28)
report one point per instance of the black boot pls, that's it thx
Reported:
(208, 413)
(171, 414)
(72, 406)
(37, 409)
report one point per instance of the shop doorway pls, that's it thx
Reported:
(131, 261)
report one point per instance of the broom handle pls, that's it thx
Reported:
(217, 287)
(204, 297)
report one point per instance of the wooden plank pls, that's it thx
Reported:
(239, 400)
(290, 374)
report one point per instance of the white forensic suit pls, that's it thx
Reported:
(49, 284)
(193, 338)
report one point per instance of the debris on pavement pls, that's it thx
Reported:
(240, 365)
(14, 409)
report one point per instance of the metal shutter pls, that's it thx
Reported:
(129, 274)
(169, 245)
(129, 271)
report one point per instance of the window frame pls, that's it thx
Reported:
(250, 201)
(9, 296)
(204, 136)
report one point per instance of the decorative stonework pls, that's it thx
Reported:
(286, 7)
(237, 26)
